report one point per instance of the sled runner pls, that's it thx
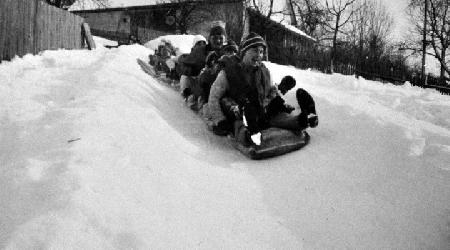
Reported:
(275, 141)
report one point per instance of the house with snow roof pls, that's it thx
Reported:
(153, 19)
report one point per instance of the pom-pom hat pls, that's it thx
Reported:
(251, 41)
(198, 38)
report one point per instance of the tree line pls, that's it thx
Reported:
(360, 33)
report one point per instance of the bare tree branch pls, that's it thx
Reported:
(439, 29)
(337, 9)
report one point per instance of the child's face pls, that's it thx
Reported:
(216, 41)
(254, 56)
(200, 43)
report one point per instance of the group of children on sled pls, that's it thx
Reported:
(231, 87)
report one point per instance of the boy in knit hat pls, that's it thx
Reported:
(249, 84)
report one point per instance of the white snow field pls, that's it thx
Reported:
(95, 154)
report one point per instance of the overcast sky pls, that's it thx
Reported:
(401, 22)
(396, 7)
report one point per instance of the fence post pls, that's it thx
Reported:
(88, 36)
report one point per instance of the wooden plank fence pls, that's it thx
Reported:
(31, 26)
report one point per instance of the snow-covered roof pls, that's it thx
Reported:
(281, 19)
(91, 5)
(81, 5)
(296, 30)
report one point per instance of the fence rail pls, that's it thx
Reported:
(443, 89)
(31, 26)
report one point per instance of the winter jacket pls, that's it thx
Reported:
(205, 80)
(240, 83)
(194, 62)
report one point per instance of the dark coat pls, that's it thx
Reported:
(242, 84)
(193, 63)
(206, 79)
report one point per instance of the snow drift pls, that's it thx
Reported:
(96, 154)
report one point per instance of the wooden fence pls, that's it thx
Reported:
(31, 26)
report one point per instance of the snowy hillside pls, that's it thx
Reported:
(95, 154)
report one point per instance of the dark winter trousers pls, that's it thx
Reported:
(258, 120)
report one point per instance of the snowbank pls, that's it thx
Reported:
(100, 41)
(97, 163)
(183, 43)
(95, 154)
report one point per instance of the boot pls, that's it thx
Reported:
(192, 102)
(308, 107)
(305, 121)
(186, 93)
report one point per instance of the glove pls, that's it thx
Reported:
(313, 120)
(305, 121)
(288, 108)
(236, 111)
(186, 93)
(275, 106)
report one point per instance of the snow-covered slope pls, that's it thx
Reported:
(95, 154)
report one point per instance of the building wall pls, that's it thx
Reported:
(112, 21)
(229, 15)
(152, 22)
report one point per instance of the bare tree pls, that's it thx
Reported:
(359, 27)
(380, 21)
(339, 13)
(437, 33)
(371, 25)
(184, 14)
(310, 15)
(291, 12)
(264, 7)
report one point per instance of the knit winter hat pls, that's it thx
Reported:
(251, 41)
(198, 38)
(231, 46)
(217, 30)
